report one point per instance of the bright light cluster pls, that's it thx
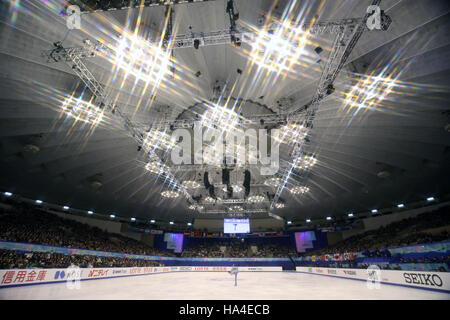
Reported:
(292, 133)
(82, 110)
(220, 118)
(368, 92)
(140, 58)
(237, 188)
(279, 205)
(196, 207)
(190, 184)
(170, 194)
(256, 199)
(305, 162)
(235, 208)
(299, 190)
(280, 48)
(157, 168)
(210, 200)
(272, 182)
(155, 139)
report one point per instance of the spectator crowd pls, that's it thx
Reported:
(28, 224)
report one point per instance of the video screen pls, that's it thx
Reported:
(236, 226)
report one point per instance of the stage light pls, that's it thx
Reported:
(292, 133)
(170, 194)
(196, 44)
(328, 218)
(90, 212)
(236, 208)
(8, 194)
(401, 205)
(220, 118)
(280, 48)
(143, 60)
(133, 219)
(189, 224)
(171, 222)
(210, 200)
(279, 205)
(304, 162)
(430, 199)
(66, 208)
(374, 210)
(308, 220)
(330, 89)
(350, 215)
(157, 168)
(272, 182)
(152, 221)
(155, 139)
(237, 188)
(369, 92)
(299, 190)
(81, 110)
(112, 216)
(190, 184)
(256, 199)
(289, 222)
(38, 201)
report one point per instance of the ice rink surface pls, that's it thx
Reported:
(220, 286)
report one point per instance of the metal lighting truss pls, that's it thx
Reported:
(90, 6)
(349, 32)
(228, 212)
(233, 201)
(206, 167)
(73, 58)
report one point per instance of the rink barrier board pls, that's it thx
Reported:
(24, 277)
(391, 277)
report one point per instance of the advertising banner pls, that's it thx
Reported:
(427, 280)
(15, 277)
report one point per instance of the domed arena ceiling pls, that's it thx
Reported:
(97, 116)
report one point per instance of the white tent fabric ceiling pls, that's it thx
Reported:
(397, 151)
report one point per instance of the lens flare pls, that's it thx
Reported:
(82, 110)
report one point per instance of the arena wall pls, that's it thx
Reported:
(438, 281)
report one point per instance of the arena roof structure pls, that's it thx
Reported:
(88, 113)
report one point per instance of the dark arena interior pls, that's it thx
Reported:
(224, 150)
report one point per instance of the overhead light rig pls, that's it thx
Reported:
(74, 58)
(228, 212)
(344, 43)
(348, 33)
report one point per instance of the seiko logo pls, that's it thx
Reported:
(427, 279)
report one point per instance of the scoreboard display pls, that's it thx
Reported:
(236, 226)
